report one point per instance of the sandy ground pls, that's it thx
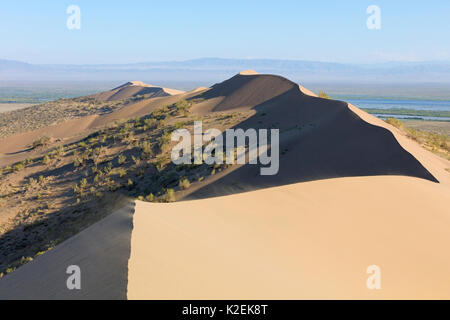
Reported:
(13, 106)
(311, 240)
(16, 148)
(441, 127)
(101, 251)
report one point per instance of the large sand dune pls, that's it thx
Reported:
(319, 138)
(135, 88)
(351, 192)
(311, 240)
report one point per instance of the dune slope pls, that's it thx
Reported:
(135, 88)
(319, 138)
(101, 251)
(311, 240)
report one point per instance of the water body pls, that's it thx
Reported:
(403, 116)
(436, 105)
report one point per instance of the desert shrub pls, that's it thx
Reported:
(59, 151)
(136, 160)
(169, 196)
(82, 144)
(107, 169)
(165, 139)
(46, 160)
(323, 95)
(122, 172)
(161, 114)
(437, 143)
(97, 155)
(18, 166)
(78, 161)
(184, 183)
(42, 180)
(150, 198)
(150, 123)
(182, 107)
(41, 142)
(83, 184)
(394, 122)
(146, 148)
(121, 159)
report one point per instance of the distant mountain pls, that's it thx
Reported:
(214, 69)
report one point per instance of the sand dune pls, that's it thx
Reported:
(135, 88)
(319, 138)
(13, 148)
(310, 240)
(101, 251)
(351, 192)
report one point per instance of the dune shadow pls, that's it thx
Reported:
(101, 251)
(319, 139)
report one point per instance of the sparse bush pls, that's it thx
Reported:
(169, 196)
(41, 142)
(121, 159)
(78, 161)
(323, 95)
(184, 183)
(150, 198)
(19, 166)
(122, 172)
(165, 139)
(182, 107)
(46, 160)
(146, 148)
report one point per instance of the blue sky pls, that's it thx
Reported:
(139, 31)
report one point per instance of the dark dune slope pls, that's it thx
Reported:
(319, 138)
(132, 89)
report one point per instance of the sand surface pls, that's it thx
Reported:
(310, 240)
(101, 251)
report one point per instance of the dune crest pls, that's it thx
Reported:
(133, 89)
(248, 72)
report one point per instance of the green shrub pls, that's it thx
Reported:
(182, 107)
(46, 160)
(18, 166)
(122, 172)
(41, 142)
(323, 95)
(121, 159)
(169, 196)
(184, 183)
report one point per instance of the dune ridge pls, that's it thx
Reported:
(136, 88)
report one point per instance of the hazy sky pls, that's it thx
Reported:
(139, 31)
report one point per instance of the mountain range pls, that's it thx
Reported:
(214, 69)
